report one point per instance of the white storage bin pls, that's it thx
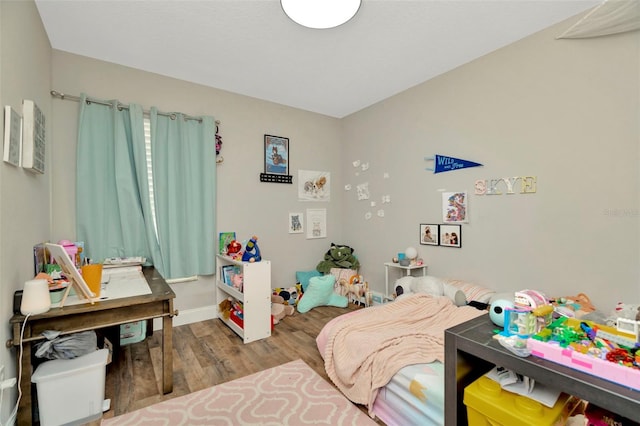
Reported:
(71, 391)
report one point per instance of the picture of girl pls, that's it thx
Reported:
(429, 234)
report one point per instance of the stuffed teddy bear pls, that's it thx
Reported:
(429, 285)
(225, 308)
(279, 309)
(338, 256)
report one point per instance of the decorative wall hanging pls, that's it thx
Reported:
(219, 158)
(363, 191)
(276, 160)
(316, 223)
(429, 234)
(33, 137)
(451, 235)
(528, 185)
(296, 223)
(446, 164)
(454, 207)
(314, 185)
(12, 136)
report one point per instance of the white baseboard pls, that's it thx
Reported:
(189, 316)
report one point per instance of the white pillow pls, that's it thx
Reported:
(473, 292)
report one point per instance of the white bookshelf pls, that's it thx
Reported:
(255, 297)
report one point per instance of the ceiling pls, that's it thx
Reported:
(250, 47)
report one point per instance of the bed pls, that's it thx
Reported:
(390, 357)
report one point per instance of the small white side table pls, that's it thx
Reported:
(408, 270)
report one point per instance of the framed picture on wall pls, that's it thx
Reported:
(296, 223)
(454, 207)
(451, 235)
(429, 234)
(316, 223)
(276, 155)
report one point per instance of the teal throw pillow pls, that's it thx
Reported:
(320, 293)
(303, 278)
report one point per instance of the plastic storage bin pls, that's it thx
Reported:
(133, 332)
(71, 391)
(488, 404)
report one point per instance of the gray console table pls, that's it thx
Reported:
(473, 341)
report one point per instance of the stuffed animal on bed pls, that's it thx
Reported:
(429, 285)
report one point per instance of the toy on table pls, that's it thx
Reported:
(496, 311)
(539, 306)
(252, 251)
(519, 321)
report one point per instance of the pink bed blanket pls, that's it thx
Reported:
(366, 348)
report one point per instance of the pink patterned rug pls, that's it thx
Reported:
(290, 394)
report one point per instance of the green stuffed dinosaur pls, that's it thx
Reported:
(338, 256)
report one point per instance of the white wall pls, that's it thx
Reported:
(25, 67)
(245, 205)
(565, 111)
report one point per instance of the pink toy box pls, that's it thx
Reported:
(604, 369)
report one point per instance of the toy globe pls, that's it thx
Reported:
(411, 253)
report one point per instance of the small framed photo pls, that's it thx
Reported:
(429, 234)
(296, 223)
(451, 235)
(316, 223)
(276, 155)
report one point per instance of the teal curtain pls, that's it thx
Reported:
(184, 181)
(109, 214)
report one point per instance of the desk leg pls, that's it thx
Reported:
(167, 354)
(25, 413)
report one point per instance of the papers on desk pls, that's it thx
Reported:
(122, 282)
(525, 386)
(117, 262)
(117, 283)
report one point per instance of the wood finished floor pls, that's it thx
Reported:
(208, 353)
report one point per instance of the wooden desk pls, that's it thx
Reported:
(474, 342)
(103, 314)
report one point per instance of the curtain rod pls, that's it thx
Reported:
(63, 96)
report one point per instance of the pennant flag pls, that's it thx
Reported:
(446, 164)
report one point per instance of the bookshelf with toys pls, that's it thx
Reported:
(243, 294)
